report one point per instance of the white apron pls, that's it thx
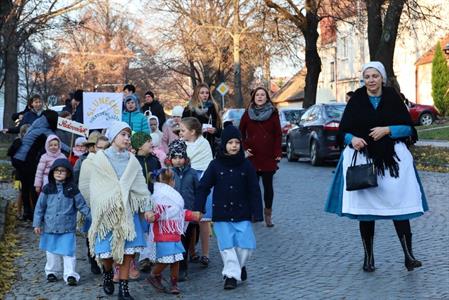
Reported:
(392, 197)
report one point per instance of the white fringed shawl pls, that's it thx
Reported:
(199, 153)
(114, 201)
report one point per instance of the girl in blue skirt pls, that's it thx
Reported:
(55, 220)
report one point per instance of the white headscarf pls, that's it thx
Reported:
(115, 129)
(378, 66)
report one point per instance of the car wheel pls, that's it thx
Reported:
(426, 119)
(315, 159)
(291, 156)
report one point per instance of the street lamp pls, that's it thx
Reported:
(446, 49)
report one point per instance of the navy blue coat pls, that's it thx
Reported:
(236, 195)
(186, 183)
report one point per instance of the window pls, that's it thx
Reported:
(345, 47)
(332, 71)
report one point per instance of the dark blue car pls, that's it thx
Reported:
(315, 135)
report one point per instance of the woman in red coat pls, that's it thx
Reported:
(261, 135)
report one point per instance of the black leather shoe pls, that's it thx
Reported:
(123, 291)
(71, 281)
(51, 278)
(230, 283)
(410, 261)
(244, 275)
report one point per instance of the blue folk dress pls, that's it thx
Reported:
(58, 243)
(235, 235)
(119, 161)
(372, 204)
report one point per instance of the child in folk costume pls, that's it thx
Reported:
(78, 150)
(169, 224)
(55, 221)
(142, 144)
(53, 152)
(118, 194)
(186, 183)
(236, 202)
(200, 155)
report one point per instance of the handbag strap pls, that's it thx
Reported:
(354, 158)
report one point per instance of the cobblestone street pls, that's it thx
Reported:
(309, 254)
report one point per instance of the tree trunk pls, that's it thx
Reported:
(11, 83)
(236, 55)
(192, 74)
(266, 72)
(313, 60)
(382, 38)
(385, 50)
(373, 8)
(237, 72)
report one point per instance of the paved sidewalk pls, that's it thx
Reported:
(433, 143)
(307, 255)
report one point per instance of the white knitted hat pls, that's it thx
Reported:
(115, 129)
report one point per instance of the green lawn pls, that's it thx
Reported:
(434, 134)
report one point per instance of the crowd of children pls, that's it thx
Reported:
(144, 198)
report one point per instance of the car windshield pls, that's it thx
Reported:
(236, 113)
(335, 111)
(293, 115)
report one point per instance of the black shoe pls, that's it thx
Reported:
(230, 283)
(368, 261)
(410, 261)
(244, 275)
(108, 284)
(204, 261)
(51, 278)
(123, 291)
(94, 268)
(182, 276)
(71, 281)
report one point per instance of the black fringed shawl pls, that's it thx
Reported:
(360, 117)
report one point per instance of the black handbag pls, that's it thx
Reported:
(361, 176)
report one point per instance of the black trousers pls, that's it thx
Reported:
(267, 182)
(26, 174)
(367, 228)
(186, 239)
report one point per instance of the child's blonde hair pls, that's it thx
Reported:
(23, 130)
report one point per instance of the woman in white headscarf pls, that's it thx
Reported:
(377, 125)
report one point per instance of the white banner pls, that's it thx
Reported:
(73, 127)
(100, 109)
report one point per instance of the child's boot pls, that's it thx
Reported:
(123, 291)
(108, 284)
(230, 283)
(174, 286)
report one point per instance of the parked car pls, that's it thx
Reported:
(422, 114)
(316, 134)
(233, 115)
(289, 117)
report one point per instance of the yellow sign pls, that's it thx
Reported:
(223, 89)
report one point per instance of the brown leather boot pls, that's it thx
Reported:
(267, 213)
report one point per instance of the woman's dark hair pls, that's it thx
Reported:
(150, 93)
(130, 88)
(253, 95)
(52, 118)
(34, 97)
(192, 123)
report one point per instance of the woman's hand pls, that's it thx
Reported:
(37, 230)
(358, 143)
(248, 153)
(278, 158)
(197, 215)
(38, 189)
(149, 216)
(379, 132)
(211, 130)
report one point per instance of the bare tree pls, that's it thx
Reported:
(20, 20)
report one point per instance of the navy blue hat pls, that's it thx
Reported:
(60, 162)
(228, 133)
